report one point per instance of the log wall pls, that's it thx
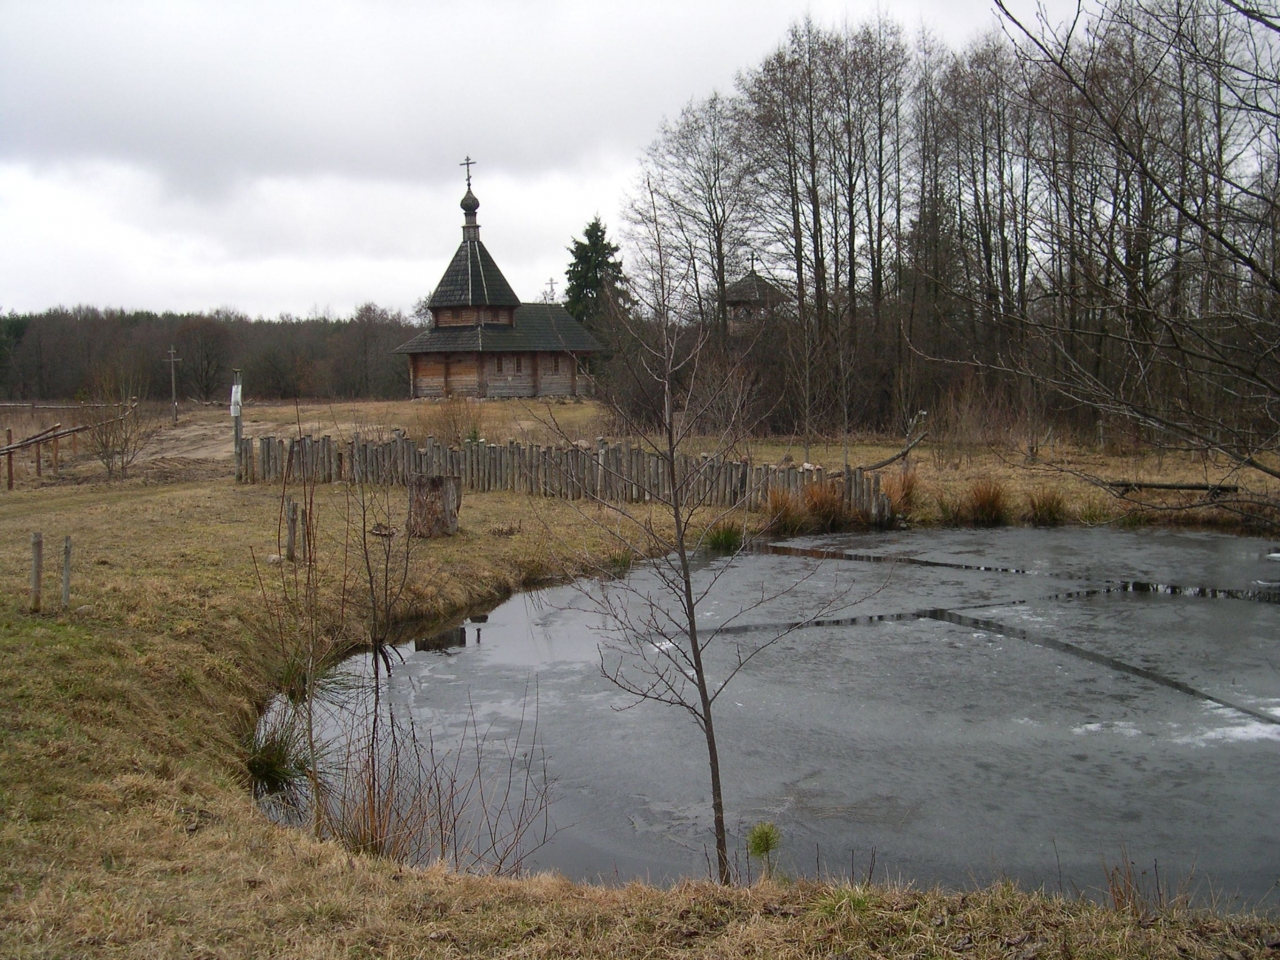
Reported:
(455, 374)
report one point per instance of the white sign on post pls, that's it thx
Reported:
(235, 400)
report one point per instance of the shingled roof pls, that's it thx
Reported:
(472, 279)
(753, 289)
(544, 327)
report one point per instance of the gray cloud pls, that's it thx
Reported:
(187, 147)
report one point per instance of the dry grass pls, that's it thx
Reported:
(540, 421)
(786, 513)
(1046, 508)
(903, 489)
(127, 827)
(824, 508)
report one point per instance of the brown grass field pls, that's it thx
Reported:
(126, 825)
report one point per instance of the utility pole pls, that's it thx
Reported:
(173, 381)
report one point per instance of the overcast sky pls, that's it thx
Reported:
(303, 157)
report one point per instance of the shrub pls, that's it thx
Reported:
(988, 505)
(451, 421)
(1046, 508)
(724, 536)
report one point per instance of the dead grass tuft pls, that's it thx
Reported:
(987, 504)
(1046, 508)
(824, 508)
(903, 489)
(786, 513)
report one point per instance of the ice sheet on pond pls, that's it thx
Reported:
(958, 754)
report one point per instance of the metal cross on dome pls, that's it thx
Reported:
(468, 163)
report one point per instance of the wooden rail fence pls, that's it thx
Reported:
(51, 436)
(617, 472)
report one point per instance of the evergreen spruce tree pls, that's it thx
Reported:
(594, 277)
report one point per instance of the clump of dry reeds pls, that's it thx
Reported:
(1046, 508)
(824, 507)
(903, 489)
(820, 508)
(786, 513)
(987, 504)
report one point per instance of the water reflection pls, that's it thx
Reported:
(453, 636)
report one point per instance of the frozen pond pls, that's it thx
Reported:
(977, 704)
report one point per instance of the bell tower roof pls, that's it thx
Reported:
(472, 278)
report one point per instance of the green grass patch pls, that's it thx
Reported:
(724, 537)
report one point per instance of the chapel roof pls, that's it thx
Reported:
(753, 289)
(545, 327)
(472, 278)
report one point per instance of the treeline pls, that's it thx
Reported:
(1075, 222)
(63, 353)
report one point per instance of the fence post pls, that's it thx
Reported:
(37, 569)
(8, 440)
(66, 573)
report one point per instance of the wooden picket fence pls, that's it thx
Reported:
(616, 472)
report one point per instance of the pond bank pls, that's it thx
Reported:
(127, 830)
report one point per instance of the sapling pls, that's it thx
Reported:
(763, 841)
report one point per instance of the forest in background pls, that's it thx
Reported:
(1053, 226)
(67, 353)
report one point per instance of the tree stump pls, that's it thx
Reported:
(433, 506)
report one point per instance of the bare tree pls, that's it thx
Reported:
(699, 176)
(205, 344)
(658, 649)
(125, 428)
(1160, 260)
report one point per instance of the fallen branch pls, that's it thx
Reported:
(1213, 489)
(897, 456)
